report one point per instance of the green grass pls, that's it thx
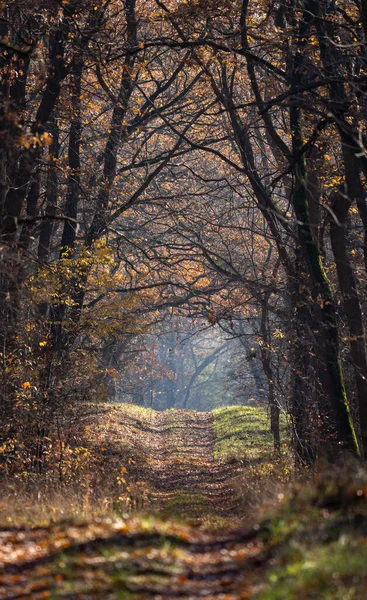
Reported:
(318, 542)
(243, 434)
(333, 572)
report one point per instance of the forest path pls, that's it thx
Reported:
(181, 470)
(313, 547)
(146, 557)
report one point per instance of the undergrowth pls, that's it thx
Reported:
(317, 541)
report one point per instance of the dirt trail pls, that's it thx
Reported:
(173, 453)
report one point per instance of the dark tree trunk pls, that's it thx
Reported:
(351, 304)
(354, 188)
(31, 210)
(116, 129)
(63, 340)
(303, 405)
(68, 238)
(341, 431)
(73, 193)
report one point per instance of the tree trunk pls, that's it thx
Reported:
(303, 405)
(73, 193)
(341, 430)
(265, 352)
(352, 308)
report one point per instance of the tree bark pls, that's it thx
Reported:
(265, 351)
(352, 307)
(73, 192)
(303, 401)
(342, 430)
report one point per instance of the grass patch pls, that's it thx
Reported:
(243, 433)
(318, 542)
(335, 572)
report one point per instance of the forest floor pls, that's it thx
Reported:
(189, 529)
